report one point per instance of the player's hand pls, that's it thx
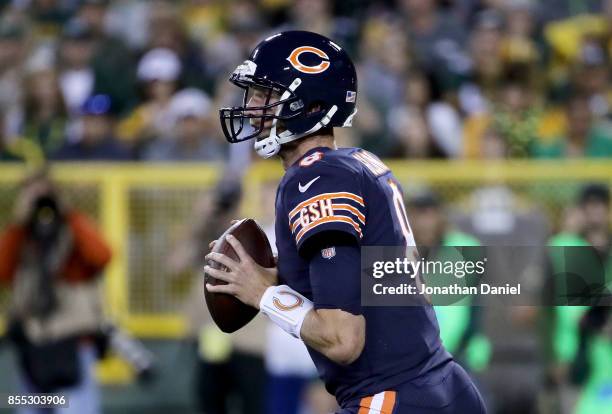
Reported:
(246, 280)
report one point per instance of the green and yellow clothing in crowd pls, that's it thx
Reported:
(459, 328)
(564, 325)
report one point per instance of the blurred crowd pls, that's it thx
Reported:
(142, 80)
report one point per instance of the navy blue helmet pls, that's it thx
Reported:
(315, 83)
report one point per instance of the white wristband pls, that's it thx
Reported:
(286, 308)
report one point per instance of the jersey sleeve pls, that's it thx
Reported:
(323, 198)
(332, 266)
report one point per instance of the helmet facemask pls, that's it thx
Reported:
(233, 119)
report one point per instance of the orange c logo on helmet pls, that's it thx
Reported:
(294, 59)
(281, 306)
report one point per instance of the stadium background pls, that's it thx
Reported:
(501, 107)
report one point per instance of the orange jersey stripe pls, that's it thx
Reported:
(350, 208)
(328, 219)
(364, 405)
(325, 196)
(294, 225)
(388, 402)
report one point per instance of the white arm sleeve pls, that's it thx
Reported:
(286, 308)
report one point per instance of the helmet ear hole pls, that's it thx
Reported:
(315, 107)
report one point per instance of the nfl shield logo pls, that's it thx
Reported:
(328, 253)
(350, 96)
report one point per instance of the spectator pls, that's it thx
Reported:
(485, 49)
(76, 51)
(45, 113)
(96, 141)
(437, 37)
(13, 148)
(591, 76)
(424, 128)
(572, 340)
(381, 80)
(519, 44)
(158, 73)
(112, 61)
(493, 145)
(204, 20)
(12, 46)
(592, 354)
(129, 21)
(6, 153)
(555, 10)
(244, 27)
(317, 16)
(565, 40)
(383, 72)
(93, 14)
(167, 31)
(48, 16)
(412, 135)
(51, 256)
(584, 138)
(193, 135)
(515, 118)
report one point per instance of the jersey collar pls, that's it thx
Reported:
(310, 152)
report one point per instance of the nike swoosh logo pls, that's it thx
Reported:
(303, 188)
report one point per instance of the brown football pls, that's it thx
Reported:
(229, 313)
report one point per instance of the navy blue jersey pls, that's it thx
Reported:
(352, 191)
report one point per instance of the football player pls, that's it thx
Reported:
(298, 86)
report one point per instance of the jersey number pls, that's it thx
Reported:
(400, 212)
(378, 168)
(411, 249)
